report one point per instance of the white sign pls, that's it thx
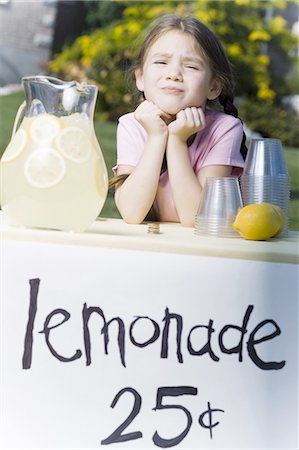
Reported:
(119, 349)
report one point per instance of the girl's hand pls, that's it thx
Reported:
(151, 118)
(188, 121)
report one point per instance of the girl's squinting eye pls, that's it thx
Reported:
(160, 62)
(192, 67)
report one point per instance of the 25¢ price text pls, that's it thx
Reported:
(207, 419)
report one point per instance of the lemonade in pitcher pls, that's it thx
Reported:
(53, 174)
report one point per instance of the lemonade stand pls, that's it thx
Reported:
(121, 337)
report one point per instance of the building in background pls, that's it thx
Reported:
(31, 30)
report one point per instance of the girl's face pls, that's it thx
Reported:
(175, 75)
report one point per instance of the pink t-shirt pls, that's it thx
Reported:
(218, 143)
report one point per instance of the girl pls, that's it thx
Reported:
(181, 67)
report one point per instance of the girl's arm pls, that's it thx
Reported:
(136, 195)
(186, 185)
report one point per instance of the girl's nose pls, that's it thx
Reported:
(174, 77)
(174, 73)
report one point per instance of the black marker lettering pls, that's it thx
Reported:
(164, 349)
(28, 342)
(170, 320)
(210, 425)
(86, 313)
(252, 342)
(152, 339)
(207, 347)
(46, 330)
(243, 329)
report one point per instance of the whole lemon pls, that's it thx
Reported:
(282, 219)
(259, 221)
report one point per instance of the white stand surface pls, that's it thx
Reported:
(120, 339)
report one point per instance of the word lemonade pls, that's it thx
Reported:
(53, 173)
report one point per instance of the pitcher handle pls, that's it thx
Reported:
(19, 116)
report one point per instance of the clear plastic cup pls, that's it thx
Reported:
(265, 176)
(265, 157)
(267, 189)
(264, 188)
(220, 201)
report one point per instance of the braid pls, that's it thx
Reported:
(229, 108)
(117, 180)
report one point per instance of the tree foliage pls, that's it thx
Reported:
(260, 46)
(100, 13)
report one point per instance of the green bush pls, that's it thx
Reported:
(250, 37)
(271, 121)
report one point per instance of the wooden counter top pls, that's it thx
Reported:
(173, 238)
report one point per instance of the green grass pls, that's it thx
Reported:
(106, 134)
(292, 161)
(8, 107)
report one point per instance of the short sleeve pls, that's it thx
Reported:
(224, 144)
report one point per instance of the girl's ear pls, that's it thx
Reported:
(215, 89)
(139, 80)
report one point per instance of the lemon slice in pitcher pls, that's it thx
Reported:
(44, 168)
(44, 128)
(16, 146)
(74, 144)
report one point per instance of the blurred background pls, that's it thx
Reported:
(95, 41)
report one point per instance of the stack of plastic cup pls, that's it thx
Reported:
(265, 176)
(220, 201)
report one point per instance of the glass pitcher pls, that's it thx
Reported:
(53, 171)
